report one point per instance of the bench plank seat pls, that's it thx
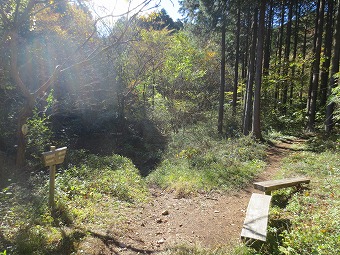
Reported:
(255, 223)
(268, 186)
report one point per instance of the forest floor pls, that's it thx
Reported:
(207, 220)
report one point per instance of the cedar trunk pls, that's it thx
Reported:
(316, 70)
(329, 123)
(222, 84)
(258, 75)
(327, 54)
(237, 50)
(250, 80)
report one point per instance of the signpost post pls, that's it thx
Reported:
(52, 158)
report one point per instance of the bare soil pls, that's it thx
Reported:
(208, 220)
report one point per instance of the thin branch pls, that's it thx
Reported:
(48, 83)
(5, 19)
(89, 59)
(27, 12)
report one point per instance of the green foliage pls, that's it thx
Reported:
(335, 98)
(185, 83)
(314, 213)
(196, 161)
(198, 250)
(320, 143)
(87, 195)
(39, 131)
(118, 178)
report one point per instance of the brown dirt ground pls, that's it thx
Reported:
(208, 220)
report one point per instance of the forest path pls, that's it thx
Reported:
(207, 220)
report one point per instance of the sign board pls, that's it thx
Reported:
(54, 157)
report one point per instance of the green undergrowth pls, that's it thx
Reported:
(90, 195)
(197, 160)
(307, 221)
(238, 249)
(315, 213)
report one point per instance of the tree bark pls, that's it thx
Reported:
(237, 53)
(329, 123)
(296, 36)
(279, 54)
(286, 59)
(266, 58)
(316, 27)
(316, 70)
(258, 75)
(327, 54)
(222, 84)
(246, 48)
(304, 50)
(247, 119)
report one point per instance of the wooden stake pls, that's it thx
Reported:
(52, 184)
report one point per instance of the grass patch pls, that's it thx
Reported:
(88, 194)
(307, 222)
(315, 214)
(198, 250)
(199, 161)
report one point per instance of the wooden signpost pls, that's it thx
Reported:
(52, 158)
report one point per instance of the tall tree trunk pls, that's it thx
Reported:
(222, 84)
(304, 50)
(247, 119)
(327, 53)
(258, 75)
(29, 99)
(266, 57)
(279, 53)
(237, 53)
(333, 81)
(25, 113)
(286, 58)
(316, 70)
(246, 49)
(296, 36)
(316, 27)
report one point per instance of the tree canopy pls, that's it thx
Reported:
(268, 66)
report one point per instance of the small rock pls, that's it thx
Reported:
(216, 211)
(165, 212)
(159, 220)
(181, 225)
(161, 241)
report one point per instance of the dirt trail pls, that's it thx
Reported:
(209, 220)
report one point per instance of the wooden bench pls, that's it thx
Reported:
(269, 186)
(255, 223)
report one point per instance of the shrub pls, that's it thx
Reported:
(197, 161)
